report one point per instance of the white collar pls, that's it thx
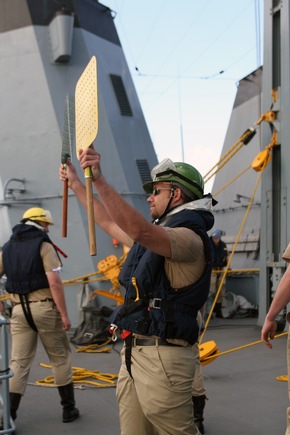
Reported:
(35, 224)
(200, 204)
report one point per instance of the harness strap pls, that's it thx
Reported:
(158, 304)
(171, 306)
(128, 352)
(130, 308)
(27, 312)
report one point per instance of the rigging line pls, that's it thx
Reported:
(241, 347)
(244, 140)
(172, 51)
(204, 50)
(179, 76)
(231, 181)
(247, 135)
(218, 37)
(119, 18)
(232, 253)
(224, 162)
(224, 159)
(227, 153)
(150, 33)
(240, 58)
(122, 5)
(214, 76)
(84, 279)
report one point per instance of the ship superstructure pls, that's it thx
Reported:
(44, 47)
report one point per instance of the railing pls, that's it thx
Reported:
(5, 374)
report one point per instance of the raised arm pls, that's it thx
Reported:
(123, 214)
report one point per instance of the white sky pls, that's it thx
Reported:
(186, 58)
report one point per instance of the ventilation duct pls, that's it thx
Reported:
(61, 34)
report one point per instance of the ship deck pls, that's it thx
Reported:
(244, 396)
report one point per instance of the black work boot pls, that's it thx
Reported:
(218, 310)
(70, 412)
(198, 407)
(14, 405)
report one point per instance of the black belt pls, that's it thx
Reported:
(42, 300)
(32, 302)
(152, 342)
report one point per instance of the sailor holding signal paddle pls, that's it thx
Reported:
(166, 276)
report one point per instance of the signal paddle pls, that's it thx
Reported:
(86, 112)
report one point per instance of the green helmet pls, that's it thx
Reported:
(181, 174)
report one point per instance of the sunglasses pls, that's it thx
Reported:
(156, 190)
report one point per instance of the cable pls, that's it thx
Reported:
(240, 347)
(231, 181)
(202, 53)
(224, 273)
(150, 32)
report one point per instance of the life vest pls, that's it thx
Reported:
(22, 262)
(152, 306)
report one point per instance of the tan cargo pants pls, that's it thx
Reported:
(158, 400)
(24, 344)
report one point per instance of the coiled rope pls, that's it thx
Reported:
(82, 377)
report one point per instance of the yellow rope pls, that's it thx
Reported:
(267, 116)
(222, 164)
(75, 281)
(232, 151)
(82, 376)
(283, 378)
(231, 181)
(242, 347)
(224, 273)
(83, 279)
(95, 348)
(232, 271)
(5, 297)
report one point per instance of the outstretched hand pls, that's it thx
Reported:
(268, 332)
